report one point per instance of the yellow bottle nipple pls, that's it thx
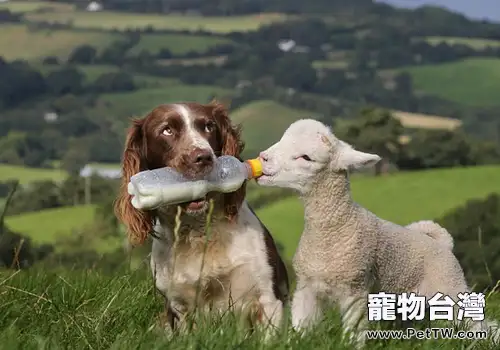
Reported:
(255, 166)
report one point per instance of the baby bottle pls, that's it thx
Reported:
(151, 189)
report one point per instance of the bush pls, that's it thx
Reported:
(476, 230)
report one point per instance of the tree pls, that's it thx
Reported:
(74, 160)
(114, 81)
(476, 231)
(437, 149)
(376, 131)
(84, 54)
(295, 71)
(68, 80)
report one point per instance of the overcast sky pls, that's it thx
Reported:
(479, 9)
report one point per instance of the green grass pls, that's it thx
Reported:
(26, 175)
(475, 43)
(19, 42)
(122, 21)
(31, 6)
(473, 82)
(326, 64)
(88, 310)
(92, 72)
(47, 225)
(401, 198)
(121, 106)
(264, 123)
(176, 43)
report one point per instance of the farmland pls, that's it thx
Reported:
(453, 81)
(47, 225)
(472, 42)
(21, 42)
(274, 116)
(26, 175)
(121, 21)
(176, 43)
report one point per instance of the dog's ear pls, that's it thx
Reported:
(139, 223)
(229, 143)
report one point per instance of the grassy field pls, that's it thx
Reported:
(474, 81)
(176, 43)
(274, 116)
(121, 106)
(27, 175)
(122, 21)
(88, 310)
(47, 225)
(424, 121)
(330, 64)
(401, 198)
(31, 6)
(19, 42)
(92, 72)
(475, 43)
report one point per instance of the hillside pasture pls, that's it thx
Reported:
(34, 6)
(425, 121)
(92, 72)
(473, 82)
(475, 43)
(176, 43)
(26, 175)
(401, 198)
(108, 20)
(199, 61)
(48, 225)
(140, 102)
(264, 122)
(22, 42)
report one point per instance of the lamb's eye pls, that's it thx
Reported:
(167, 131)
(306, 157)
(209, 127)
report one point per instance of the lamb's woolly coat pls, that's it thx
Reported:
(345, 251)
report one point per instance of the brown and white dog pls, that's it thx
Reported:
(242, 268)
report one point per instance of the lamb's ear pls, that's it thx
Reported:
(349, 159)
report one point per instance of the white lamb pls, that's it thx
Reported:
(345, 251)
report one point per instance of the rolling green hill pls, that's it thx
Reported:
(472, 42)
(26, 175)
(176, 43)
(20, 42)
(32, 6)
(109, 20)
(473, 82)
(264, 122)
(401, 198)
(45, 226)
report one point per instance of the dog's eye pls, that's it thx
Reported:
(209, 127)
(167, 131)
(306, 157)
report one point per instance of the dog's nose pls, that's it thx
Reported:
(202, 157)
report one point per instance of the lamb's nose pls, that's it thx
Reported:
(263, 156)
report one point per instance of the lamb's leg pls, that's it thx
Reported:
(353, 310)
(305, 308)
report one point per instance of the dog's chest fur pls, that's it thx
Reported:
(233, 261)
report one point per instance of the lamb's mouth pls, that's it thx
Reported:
(264, 178)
